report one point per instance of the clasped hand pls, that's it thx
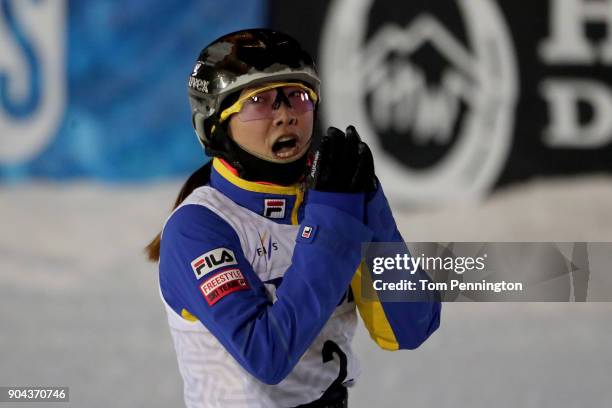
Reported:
(342, 163)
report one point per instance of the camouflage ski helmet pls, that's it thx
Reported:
(239, 60)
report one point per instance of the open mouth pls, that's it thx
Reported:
(285, 147)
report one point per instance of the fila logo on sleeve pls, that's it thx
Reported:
(306, 232)
(222, 284)
(274, 207)
(213, 260)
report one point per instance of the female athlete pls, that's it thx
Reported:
(259, 263)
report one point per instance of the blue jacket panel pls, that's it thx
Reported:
(394, 324)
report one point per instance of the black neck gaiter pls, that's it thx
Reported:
(253, 168)
(256, 169)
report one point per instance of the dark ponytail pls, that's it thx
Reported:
(199, 178)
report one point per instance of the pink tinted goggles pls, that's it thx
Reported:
(264, 102)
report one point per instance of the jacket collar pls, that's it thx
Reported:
(281, 204)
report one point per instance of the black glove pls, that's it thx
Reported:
(342, 163)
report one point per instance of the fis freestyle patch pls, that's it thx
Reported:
(222, 284)
(212, 260)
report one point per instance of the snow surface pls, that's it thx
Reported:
(79, 304)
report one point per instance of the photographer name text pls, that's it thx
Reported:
(458, 265)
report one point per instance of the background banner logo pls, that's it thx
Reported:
(435, 101)
(33, 83)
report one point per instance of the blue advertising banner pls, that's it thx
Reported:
(98, 89)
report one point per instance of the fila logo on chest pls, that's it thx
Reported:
(275, 208)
